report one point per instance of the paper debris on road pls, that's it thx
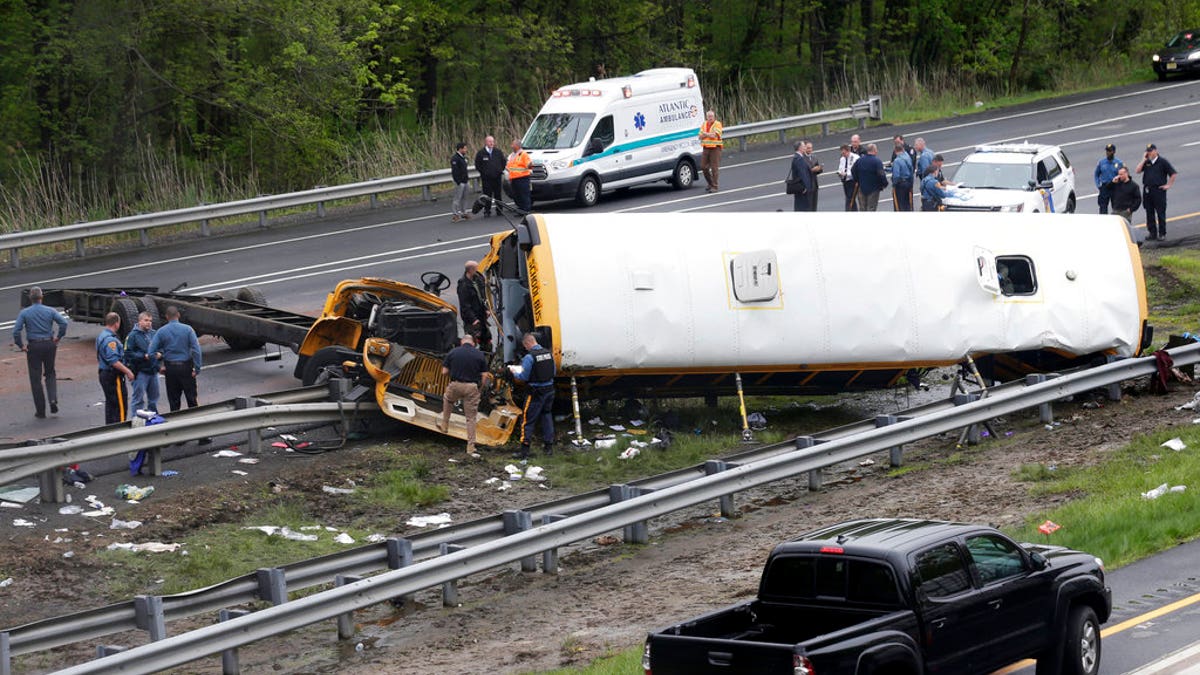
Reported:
(1175, 444)
(70, 510)
(147, 547)
(603, 443)
(636, 423)
(629, 453)
(118, 524)
(329, 489)
(248, 460)
(21, 522)
(237, 472)
(1162, 490)
(285, 532)
(616, 427)
(375, 538)
(534, 473)
(6, 582)
(344, 538)
(596, 422)
(226, 453)
(441, 520)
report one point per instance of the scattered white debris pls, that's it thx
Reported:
(491, 481)
(534, 473)
(441, 520)
(503, 487)
(867, 462)
(309, 528)
(375, 538)
(329, 489)
(604, 443)
(285, 532)
(21, 522)
(629, 453)
(150, 547)
(344, 538)
(10, 505)
(70, 510)
(248, 460)
(69, 554)
(636, 423)
(1190, 405)
(227, 453)
(6, 582)
(616, 427)
(514, 472)
(98, 513)
(596, 421)
(1175, 444)
(118, 524)
(239, 473)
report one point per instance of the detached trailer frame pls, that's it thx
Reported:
(243, 319)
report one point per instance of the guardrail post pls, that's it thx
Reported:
(742, 144)
(824, 129)
(449, 588)
(426, 194)
(972, 435)
(5, 655)
(272, 586)
(637, 533)
(51, 485)
(155, 457)
(550, 555)
(816, 478)
(399, 554)
(782, 137)
(345, 622)
(714, 466)
(14, 258)
(254, 436)
(262, 219)
(148, 616)
(79, 248)
(374, 201)
(1045, 410)
(230, 663)
(205, 230)
(895, 453)
(1113, 391)
(108, 650)
(143, 237)
(519, 521)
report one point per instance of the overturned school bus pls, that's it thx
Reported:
(661, 305)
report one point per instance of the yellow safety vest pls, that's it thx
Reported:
(707, 127)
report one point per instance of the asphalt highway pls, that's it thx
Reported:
(297, 264)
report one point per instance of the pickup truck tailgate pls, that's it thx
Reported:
(685, 655)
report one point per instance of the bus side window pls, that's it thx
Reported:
(1016, 275)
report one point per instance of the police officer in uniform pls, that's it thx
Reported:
(109, 353)
(37, 322)
(537, 370)
(902, 181)
(176, 344)
(932, 193)
(1106, 171)
(1158, 177)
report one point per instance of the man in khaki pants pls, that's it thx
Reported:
(468, 371)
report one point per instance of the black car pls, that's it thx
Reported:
(1180, 55)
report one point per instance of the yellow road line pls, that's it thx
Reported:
(1124, 625)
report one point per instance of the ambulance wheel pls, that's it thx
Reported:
(589, 191)
(684, 175)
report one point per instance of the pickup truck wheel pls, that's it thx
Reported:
(315, 369)
(1070, 203)
(1081, 652)
(589, 191)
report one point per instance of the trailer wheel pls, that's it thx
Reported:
(150, 307)
(127, 309)
(253, 295)
(316, 368)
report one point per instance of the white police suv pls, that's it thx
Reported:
(1021, 177)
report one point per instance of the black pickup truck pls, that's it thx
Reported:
(901, 597)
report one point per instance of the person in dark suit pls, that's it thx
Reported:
(801, 171)
(490, 163)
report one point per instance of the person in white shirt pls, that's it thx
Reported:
(845, 165)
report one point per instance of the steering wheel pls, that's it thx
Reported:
(435, 282)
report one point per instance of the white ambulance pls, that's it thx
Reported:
(601, 135)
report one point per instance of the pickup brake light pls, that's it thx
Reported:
(833, 549)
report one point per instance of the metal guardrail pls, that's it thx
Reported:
(244, 414)
(631, 512)
(80, 232)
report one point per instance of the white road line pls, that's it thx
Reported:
(1188, 145)
(1186, 661)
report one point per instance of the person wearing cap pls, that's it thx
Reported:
(472, 308)
(40, 346)
(1157, 177)
(1106, 171)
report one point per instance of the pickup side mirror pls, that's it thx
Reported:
(1038, 561)
(1045, 185)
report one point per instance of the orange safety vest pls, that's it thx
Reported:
(518, 165)
(714, 127)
